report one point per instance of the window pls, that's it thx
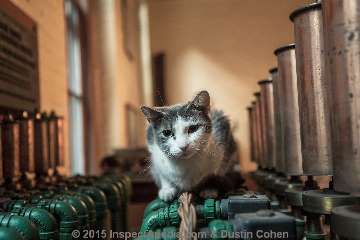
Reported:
(75, 88)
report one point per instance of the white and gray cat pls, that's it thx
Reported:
(188, 143)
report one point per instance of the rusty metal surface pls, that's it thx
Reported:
(10, 148)
(267, 111)
(342, 46)
(312, 85)
(26, 126)
(288, 93)
(259, 137)
(279, 136)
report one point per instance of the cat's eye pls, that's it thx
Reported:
(193, 128)
(167, 132)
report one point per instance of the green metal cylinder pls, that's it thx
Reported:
(91, 208)
(102, 212)
(155, 205)
(10, 233)
(113, 203)
(167, 216)
(64, 213)
(44, 221)
(123, 204)
(80, 207)
(22, 225)
(220, 229)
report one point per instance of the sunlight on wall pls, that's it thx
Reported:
(195, 71)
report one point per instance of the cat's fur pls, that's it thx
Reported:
(188, 142)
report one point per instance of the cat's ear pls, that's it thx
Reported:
(151, 114)
(201, 101)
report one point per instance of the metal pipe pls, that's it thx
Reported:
(27, 164)
(289, 92)
(11, 153)
(254, 129)
(259, 142)
(341, 34)
(267, 111)
(250, 129)
(56, 129)
(314, 114)
(279, 135)
(41, 146)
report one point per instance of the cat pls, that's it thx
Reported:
(187, 143)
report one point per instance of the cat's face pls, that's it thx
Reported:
(181, 131)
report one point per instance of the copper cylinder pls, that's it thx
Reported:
(253, 113)
(10, 148)
(279, 136)
(41, 146)
(56, 129)
(27, 161)
(341, 21)
(251, 132)
(267, 111)
(1, 158)
(289, 94)
(259, 137)
(313, 104)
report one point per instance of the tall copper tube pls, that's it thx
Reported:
(342, 46)
(251, 136)
(279, 136)
(56, 125)
(10, 149)
(259, 137)
(41, 146)
(314, 114)
(267, 111)
(1, 158)
(289, 92)
(253, 113)
(27, 161)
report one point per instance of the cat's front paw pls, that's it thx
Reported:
(167, 194)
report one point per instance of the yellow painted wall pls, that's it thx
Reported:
(114, 78)
(49, 16)
(224, 46)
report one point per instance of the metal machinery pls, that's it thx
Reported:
(304, 128)
(316, 120)
(38, 202)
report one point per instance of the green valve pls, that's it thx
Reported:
(22, 225)
(91, 208)
(10, 233)
(162, 217)
(80, 208)
(221, 229)
(44, 221)
(122, 224)
(155, 205)
(99, 197)
(64, 213)
(113, 203)
(209, 210)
